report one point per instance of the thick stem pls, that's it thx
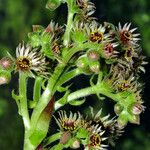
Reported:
(23, 100)
(27, 143)
(37, 89)
(46, 96)
(24, 110)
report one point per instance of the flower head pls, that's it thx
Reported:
(54, 28)
(86, 10)
(70, 123)
(109, 50)
(29, 59)
(109, 125)
(126, 36)
(96, 32)
(96, 138)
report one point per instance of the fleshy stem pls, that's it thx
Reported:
(37, 90)
(46, 96)
(24, 109)
(69, 23)
(23, 100)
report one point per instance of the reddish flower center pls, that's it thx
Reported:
(128, 53)
(96, 37)
(125, 36)
(68, 125)
(123, 86)
(56, 48)
(108, 50)
(95, 140)
(23, 64)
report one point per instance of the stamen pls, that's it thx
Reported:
(23, 64)
(96, 37)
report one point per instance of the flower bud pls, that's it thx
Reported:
(118, 109)
(65, 137)
(93, 55)
(122, 120)
(5, 77)
(95, 67)
(137, 109)
(3, 80)
(37, 28)
(135, 120)
(75, 144)
(82, 62)
(6, 63)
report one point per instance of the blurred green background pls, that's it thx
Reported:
(16, 19)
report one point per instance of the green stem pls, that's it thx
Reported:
(27, 143)
(68, 76)
(52, 138)
(37, 89)
(69, 25)
(23, 100)
(46, 96)
(24, 110)
(100, 88)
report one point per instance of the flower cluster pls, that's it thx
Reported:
(94, 132)
(110, 55)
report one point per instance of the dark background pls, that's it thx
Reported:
(16, 19)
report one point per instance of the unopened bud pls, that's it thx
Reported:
(75, 144)
(3, 80)
(37, 28)
(65, 137)
(122, 120)
(95, 67)
(82, 62)
(118, 109)
(5, 77)
(6, 63)
(93, 55)
(135, 119)
(137, 109)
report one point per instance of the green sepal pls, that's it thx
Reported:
(83, 135)
(42, 126)
(94, 66)
(77, 102)
(34, 39)
(46, 49)
(83, 64)
(79, 37)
